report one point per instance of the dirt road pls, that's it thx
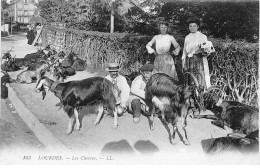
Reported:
(129, 143)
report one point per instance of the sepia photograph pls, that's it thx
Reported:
(129, 82)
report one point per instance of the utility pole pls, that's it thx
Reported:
(112, 16)
(11, 25)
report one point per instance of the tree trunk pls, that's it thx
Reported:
(112, 16)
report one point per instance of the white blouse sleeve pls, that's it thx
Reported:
(149, 45)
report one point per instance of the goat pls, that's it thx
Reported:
(35, 57)
(4, 80)
(171, 98)
(74, 94)
(247, 144)
(68, 60)
(18, 62)
(34, 66)
(79, 64)
(237, 116)
(9, 66)
(26, 77)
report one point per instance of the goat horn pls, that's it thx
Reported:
(214, 87)
(194, 78)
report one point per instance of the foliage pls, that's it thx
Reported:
(234, 67)
(4, 13)
(220, 19)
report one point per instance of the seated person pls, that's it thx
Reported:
(136, 102)
(121, 85)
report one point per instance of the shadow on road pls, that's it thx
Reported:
(146, 147)
(122, 147)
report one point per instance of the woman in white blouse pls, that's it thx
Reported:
(164, 62)
(192, 58)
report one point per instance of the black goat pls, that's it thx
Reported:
(16, 62)
(79, 64)
(237, 116)
(68, 60)
(34, 66)
(35, 57)
(9, 66)
(171, 98)
(247, 144)
(74, 94)
(4, 80)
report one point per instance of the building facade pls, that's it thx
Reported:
(22, 10)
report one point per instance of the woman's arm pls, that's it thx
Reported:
(149, 45)
(176, 46)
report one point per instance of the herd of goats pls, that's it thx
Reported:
(166, 98)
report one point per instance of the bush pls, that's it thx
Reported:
(4, 33)
(234, 67)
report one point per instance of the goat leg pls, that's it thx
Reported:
(69, 130)
(100, 112)
(115, 119)
(152, 117)
(76, 113)
(168, 130)
(185, 141)
(184, 114)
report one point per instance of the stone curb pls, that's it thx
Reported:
(52, 144)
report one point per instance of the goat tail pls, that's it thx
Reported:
(108, 95)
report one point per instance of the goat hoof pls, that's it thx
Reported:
(77, 128)
(96, 123)
(152, 128)
(173, 142)
(186, 142)
(69, 132)
(115, 126)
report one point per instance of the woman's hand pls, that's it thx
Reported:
(176, 52)
(183, 59)
(155, 53)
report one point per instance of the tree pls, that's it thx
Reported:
(4, 13)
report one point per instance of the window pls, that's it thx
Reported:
(25, 1)
(25, 13)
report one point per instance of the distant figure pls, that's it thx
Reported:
(38, 30)
(30, 34)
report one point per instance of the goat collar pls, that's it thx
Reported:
(54, 84)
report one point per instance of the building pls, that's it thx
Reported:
(22, 10)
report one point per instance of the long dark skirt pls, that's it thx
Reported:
(195, 65)
(164, 63)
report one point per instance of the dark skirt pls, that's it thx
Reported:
(30, 37)
(164, 63)
(195, 65)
